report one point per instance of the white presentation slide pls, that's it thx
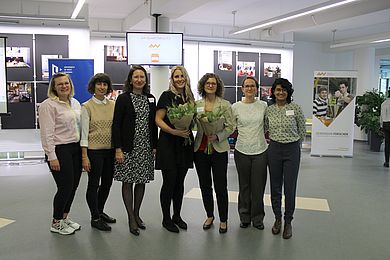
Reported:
(3, 80)
(155, 48)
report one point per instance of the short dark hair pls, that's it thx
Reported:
(252, 78)
(345, 82)
(285, 84)
(99, 78)
(202, 82)
(322, 89)
(128, 87)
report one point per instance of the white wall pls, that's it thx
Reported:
(309, 57)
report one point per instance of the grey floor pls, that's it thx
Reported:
(357, 190)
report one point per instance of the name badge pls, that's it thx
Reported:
(151, 100)
(200, 109)
(289, 112)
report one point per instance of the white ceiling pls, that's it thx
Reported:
(215, 18)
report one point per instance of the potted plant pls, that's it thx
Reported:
(367, 115)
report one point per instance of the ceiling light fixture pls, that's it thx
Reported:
(294, 15)
(77, 9)
(379, 41)
(40, 18)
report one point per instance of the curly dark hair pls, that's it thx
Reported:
(99, 78)
(202, 82)
(252, 78)
(129, 84)
(285, 84)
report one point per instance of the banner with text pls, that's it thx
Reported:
(333, 113)
(80, 71)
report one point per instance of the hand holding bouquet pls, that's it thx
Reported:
(212, 123)
(181, 117)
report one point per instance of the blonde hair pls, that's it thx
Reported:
(189, 96)
(51, 91)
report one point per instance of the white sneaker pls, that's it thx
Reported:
(62, 228)
(72, 224)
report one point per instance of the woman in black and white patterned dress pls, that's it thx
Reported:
(135, 137)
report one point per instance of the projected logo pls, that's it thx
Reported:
(154, 45)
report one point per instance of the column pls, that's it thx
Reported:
(159, 75)
(364, 63)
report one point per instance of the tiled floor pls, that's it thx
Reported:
(348, 221)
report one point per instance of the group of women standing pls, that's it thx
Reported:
(119, 141)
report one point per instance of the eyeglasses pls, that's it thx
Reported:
(211, 83)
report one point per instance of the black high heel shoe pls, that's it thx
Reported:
(134, 231)
(208, 226)
(223, 230)
(140, 223)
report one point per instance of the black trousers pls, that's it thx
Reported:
(102, 171)
(172, 190)
(211, 168)
(283, 161)
(386, 131)
(67, 179)
(252, 178)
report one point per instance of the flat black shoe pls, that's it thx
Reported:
(244, 225)
(208, 226)
(277, 226)
(100, 224)
(287, 232)
(170, 226)
(386, 165)
(223, 230)
(259, 226)
(179, 222)
(106, 218)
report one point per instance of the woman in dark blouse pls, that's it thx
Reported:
(174, 157)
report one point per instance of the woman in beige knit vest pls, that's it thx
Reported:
(97, 149)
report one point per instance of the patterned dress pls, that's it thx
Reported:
(138, 164)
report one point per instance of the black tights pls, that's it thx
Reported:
(133, 200)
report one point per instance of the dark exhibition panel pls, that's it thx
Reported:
(270, 68)
(115, 64)
(233, 68)
(225, 69)
(20, 75)
(49, 47)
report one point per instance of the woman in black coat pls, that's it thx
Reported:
(135, 137)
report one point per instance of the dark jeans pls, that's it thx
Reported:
(102, 171)
(386, 131)
(283, 161)
(172, 189)
(67, 179)
(214, 165)
(252, 178)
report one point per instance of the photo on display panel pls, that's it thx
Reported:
(332, 94)
(18, 57)
(19, 92)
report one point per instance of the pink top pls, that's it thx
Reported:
(59, 123)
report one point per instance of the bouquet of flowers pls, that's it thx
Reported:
(212, 123)
(181, 117)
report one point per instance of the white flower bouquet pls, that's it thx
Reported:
(181, 117)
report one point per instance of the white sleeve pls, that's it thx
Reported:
(84, 127)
